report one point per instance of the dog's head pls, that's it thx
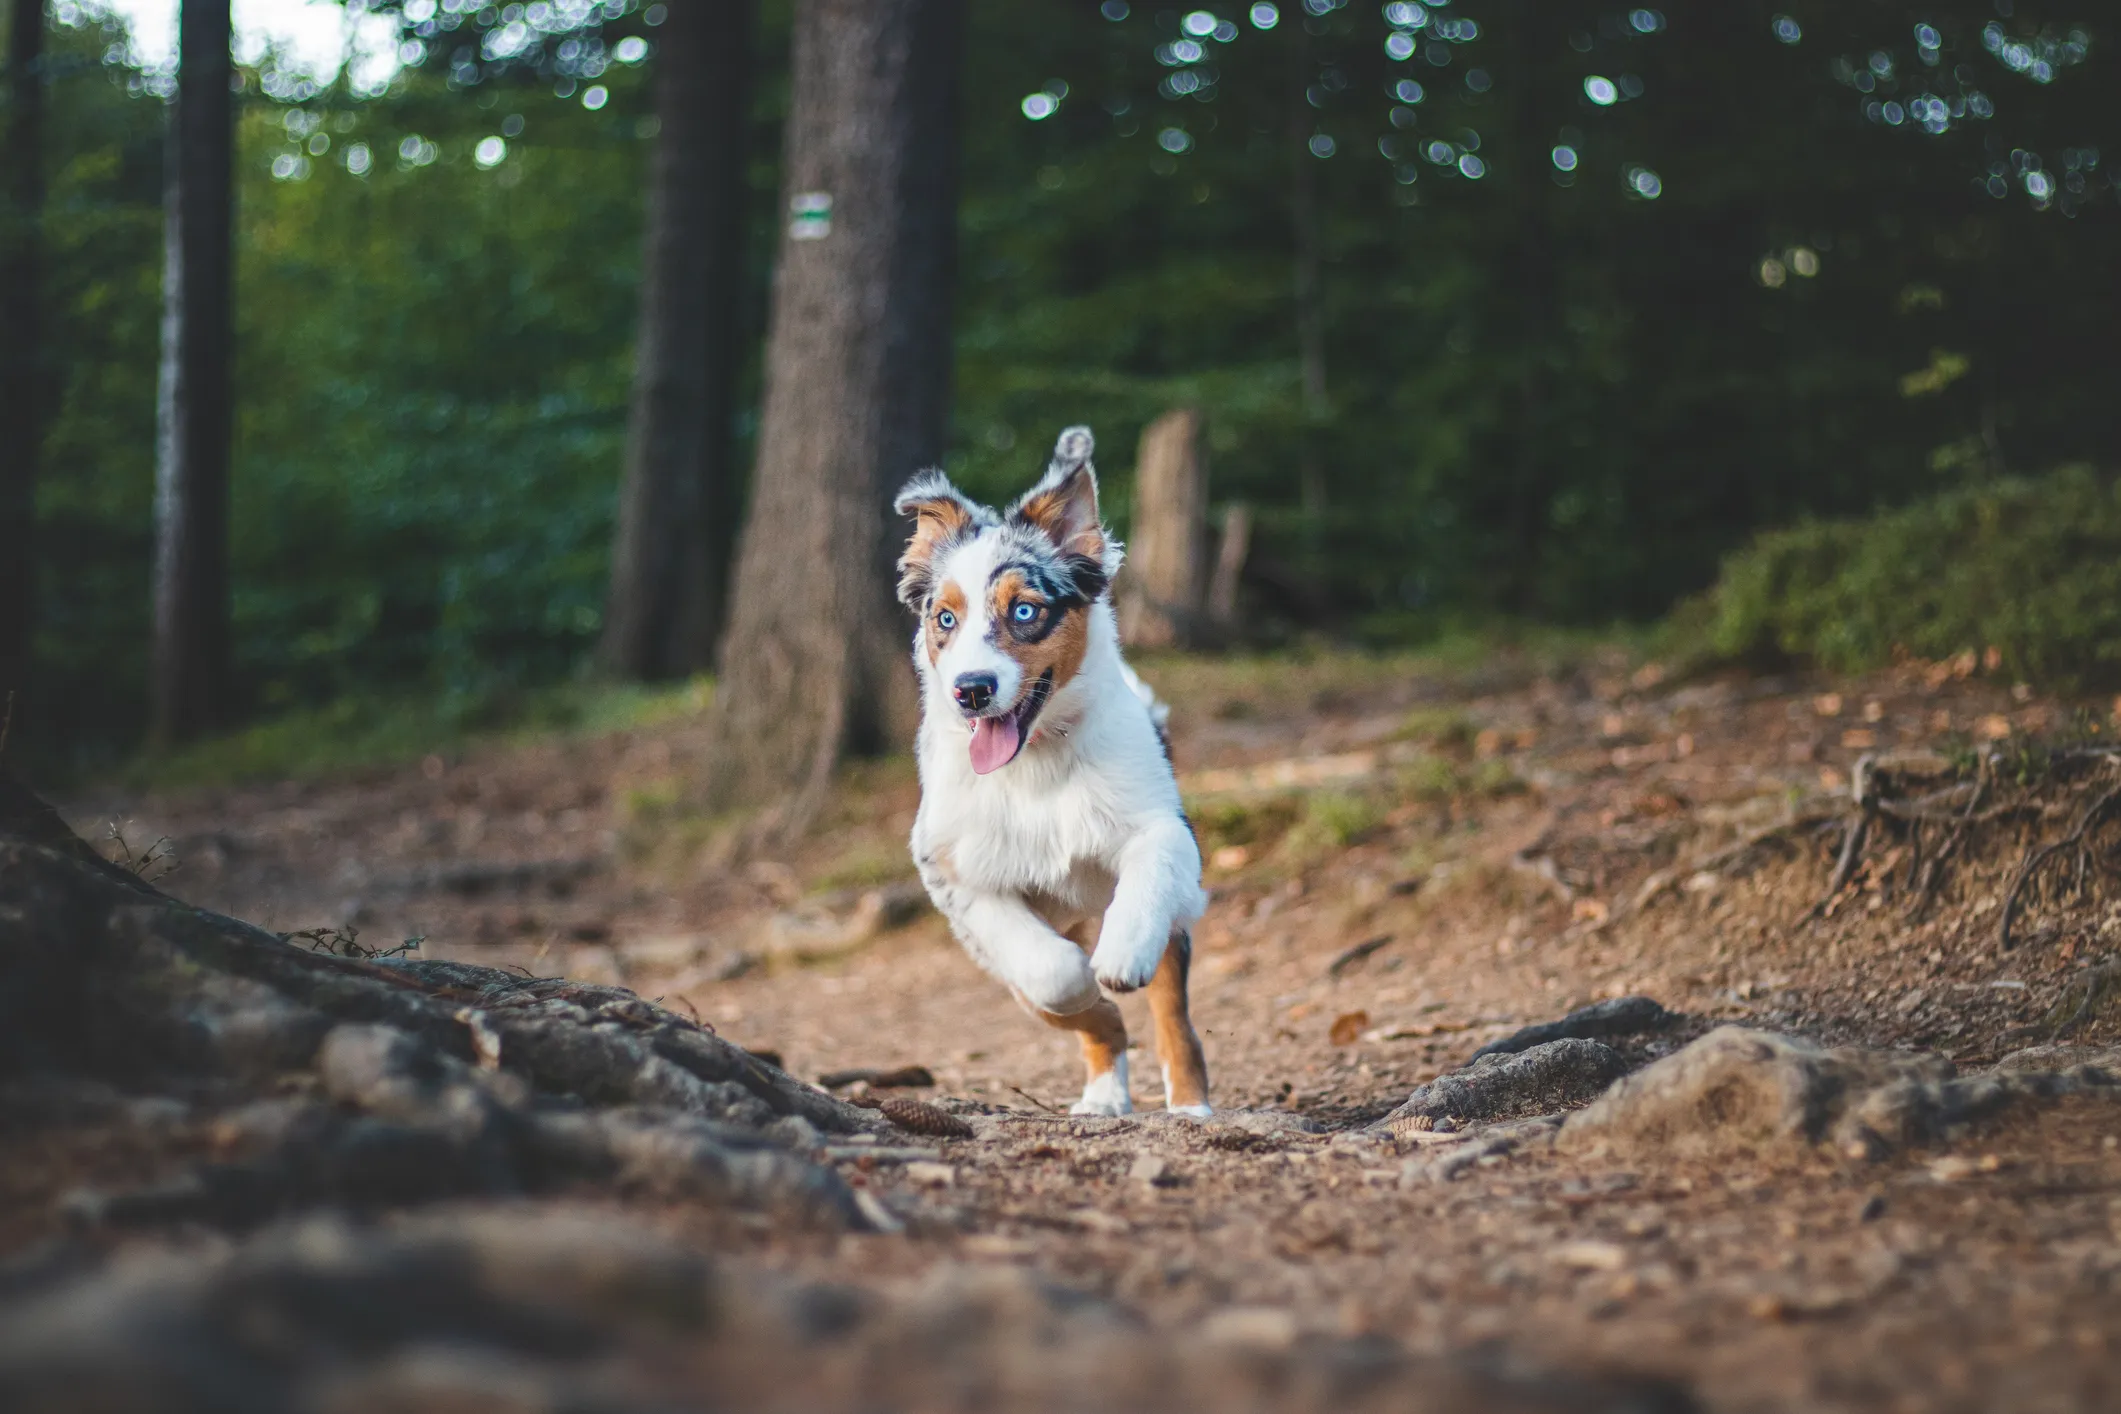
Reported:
(1005, 597)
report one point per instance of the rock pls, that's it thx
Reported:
(1558, 1075)
(1151, 1169)
(1591, 1256)
(1737, 1089)
(1253, 1327)
(1619, 1016)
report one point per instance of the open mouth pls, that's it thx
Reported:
(996, 740)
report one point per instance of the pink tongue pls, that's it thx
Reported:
(994, 742)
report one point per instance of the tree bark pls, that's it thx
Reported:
(677, 509)
(1308, 288)
(191, 665)
(857, 384)
(1166, 570)
(1232, 548)
(24, 394)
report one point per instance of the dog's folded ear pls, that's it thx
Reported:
(943, 515)
(1063, 507)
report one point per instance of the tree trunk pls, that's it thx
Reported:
(677, 510)
(1308, 289)
(191, 667)
(857, 382)
(1166, 570)
(23, 391)
(1231, 550)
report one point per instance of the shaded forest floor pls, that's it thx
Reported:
(1407, 860)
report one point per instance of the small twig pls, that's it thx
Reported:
(7, 723)
(1031, 1097)
(345, 942)
(1351, 956)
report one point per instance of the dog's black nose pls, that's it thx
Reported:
(974, 691)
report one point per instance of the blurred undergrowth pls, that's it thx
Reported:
(352, 734)
(2029, 567)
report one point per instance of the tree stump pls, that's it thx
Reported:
(1163, 593)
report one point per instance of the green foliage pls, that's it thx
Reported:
(1549, 398)
(2031, 566)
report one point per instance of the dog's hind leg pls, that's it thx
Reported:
(1177, 1045)
(1103, 1033)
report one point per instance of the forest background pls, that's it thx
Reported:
(1497, 312)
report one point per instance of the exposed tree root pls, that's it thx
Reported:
(2078, 852)
(370, 1080)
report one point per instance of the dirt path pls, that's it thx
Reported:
(1521, 842)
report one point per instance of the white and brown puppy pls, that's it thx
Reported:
(1048, 804)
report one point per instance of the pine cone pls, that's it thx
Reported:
(923, 1118)
(1401, 1126)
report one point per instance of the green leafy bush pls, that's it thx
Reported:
(2030, 566)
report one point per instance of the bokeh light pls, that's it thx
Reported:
(1601, 91)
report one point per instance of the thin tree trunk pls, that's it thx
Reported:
(1231, 549)
(1533, 279)
(23, 364)
(677, 510)
(814, 663)
(191, 669)
(1309, 288)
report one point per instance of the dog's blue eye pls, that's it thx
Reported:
(946, 621)
(1025, 613)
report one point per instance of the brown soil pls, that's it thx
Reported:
(1527, 841)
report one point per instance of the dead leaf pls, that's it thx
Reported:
(1349, 1026)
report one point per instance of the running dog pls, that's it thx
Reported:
(1048, 803)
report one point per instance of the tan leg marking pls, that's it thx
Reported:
(1177, 1045)
(1101, 1029)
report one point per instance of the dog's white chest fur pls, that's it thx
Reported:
(1085, 823)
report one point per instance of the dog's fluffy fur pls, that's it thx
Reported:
(1048, 803)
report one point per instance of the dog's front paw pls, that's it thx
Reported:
(1105, 1095)
(1117, 971)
